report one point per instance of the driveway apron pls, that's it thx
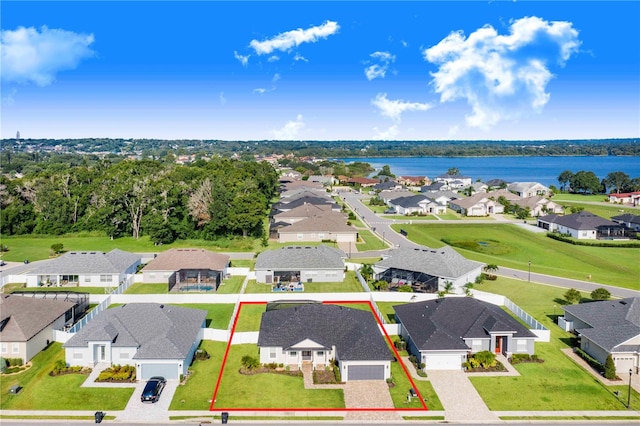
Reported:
(460, 400)
(137, 411)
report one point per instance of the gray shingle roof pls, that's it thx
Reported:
(22, 317)
(442, 324)
(613, 322)
(158, 331)
(583, 220)
(444, 262)
(410, 201)
(354, 333)
(301, 257)
(626, 218)
(89, 262)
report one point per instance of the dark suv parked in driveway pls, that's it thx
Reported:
(153, 389)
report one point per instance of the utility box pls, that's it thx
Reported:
(225, 417)
(14, 389)
(99, 416)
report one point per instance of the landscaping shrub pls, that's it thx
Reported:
(565, 239)
(594, 363)
(14, 362)
(249, 362)
(520, 358)
(60, 368)
(3, 365)
(600, 294)
(202, 355)
(609, 368)
(572, 296)
(118, 373)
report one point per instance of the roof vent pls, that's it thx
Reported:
(161, 306)
(623, 302)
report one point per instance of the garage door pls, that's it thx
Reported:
(168, 371)
(624, 364)
(365, 372)
(443, 362)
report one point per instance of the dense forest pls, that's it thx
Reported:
(166, 201)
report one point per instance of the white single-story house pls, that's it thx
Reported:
(27, 324)
(419, 203)
(632, 198)
(582, 225)
(300, 264)
(529, 189)
(608, 327)
(316, 333)
(159, 340)
(427, 270)
(442, 332)
(538, 205)
(478, 204)
(330, 226)
(628, 220)
(86, 269)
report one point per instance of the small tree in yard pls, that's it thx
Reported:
(250, 362)
(57, 248)
(609, 368)
(600, 294)
(572, 296)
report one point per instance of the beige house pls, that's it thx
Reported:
(529, 189)
(477, 205)
(539, 206)
(327, 227)
(302, 212)
(27, 324)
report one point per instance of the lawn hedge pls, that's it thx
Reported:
(570, 240)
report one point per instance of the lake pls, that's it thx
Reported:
(511, 169)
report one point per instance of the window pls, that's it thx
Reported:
(293, 353)
(320, 353)
(4, 348)
(15, 348)
(321, 235)
(521, 346)
(152, 275)
(87, 279)
(77, 355)
(125, 355)
(300, 236)
(272, 353)
(106, 278)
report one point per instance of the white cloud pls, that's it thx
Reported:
(9, 99)
(244, 60)
(393, 109)
(290, 130)
(222, 99)
(276, 77)
(299, 57)
(379, 70)
(391, 133)
(273, 58)
(37, 55)
(287, 40)
(502, 77)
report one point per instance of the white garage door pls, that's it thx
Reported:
(443, 362)
(365, 372)
(624, 364)
(168, 371)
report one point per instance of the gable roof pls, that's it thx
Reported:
(301, 257)
(188, 258)
(475, 199)
(613, 322)
(444, 262)
(89, 262)
(525, 186)
(354, 332)
(328, 222)
(157, 331)
(22, 317)
(626, 218)
(581, 221)
(444, 323)
(305, 210)
(410, 201)
(284, 205)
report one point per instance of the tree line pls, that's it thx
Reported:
(207, 200)
(587, 182)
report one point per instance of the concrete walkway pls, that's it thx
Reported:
(460, 400)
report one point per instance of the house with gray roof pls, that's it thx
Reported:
(160, 340)
(479, 204)
(86, 269)
(582, 225)
(316, 333)
(419, 203)
(328, 226)
(27, 324)
(285, 205)
(427, 270)
(300, 264)
(608, 327)
(301, 212)
(628, 220)
(441, 332)
(529, 189)
(538, 205)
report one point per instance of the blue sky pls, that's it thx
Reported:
(329, 70)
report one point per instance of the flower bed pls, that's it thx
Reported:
(118, 374)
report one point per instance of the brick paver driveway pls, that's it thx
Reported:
(368, 394)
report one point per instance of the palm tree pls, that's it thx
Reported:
(448, 286)
(490, 269)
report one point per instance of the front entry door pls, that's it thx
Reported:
(499, 344)
(306, 355)
(102, 353)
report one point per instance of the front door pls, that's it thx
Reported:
(102, 353)
(306, 355)
(498, 344)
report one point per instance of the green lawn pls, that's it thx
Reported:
(386, 309)
(363, 260)
(38, 247)
(196, 393)
(144, 288)
(231, 285)
(268, 390)
(249, 317)
(402, 386)
(243, 263)
(603, 210)
(556, 384)
(370, 241)
(218, 314)
(253, 287)
(510, 246)
(349, 285)
(43, 392)
(565, 196)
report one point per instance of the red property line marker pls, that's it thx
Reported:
(404, 368)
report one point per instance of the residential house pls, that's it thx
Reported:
(441, 333)
(628, 220)
(419, 203)
(454, 181)
(362, 181)
(632, 198)
(479, 204)
(496, 183)
(435, 186)
(302, 212)
(529, 189)
(582, 225)
(427, 270)
(389, 195)
(413, 180)
(300, 264)
(160, 340)
(27, 324)
(608, 327)
(388, 185)
(285, 206)
(538, 205)
(314, 334)
(504, 193)
(187, 269)
(326, 227)
(324, 180)
(86, 269)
